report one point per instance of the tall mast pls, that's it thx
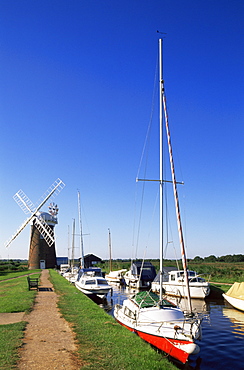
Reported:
(161, 167)
(81, 235)
(177, 206)
(73, 245)
(110, 250)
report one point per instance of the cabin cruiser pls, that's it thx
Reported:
(140, 275)
(173, 284)
(91, 281)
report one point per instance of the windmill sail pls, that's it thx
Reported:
(45, 230)
(24, 202)
(28, 207)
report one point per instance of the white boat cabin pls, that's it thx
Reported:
(178, 277)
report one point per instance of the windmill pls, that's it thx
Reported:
(42, 252)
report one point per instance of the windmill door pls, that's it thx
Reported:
(42, 264)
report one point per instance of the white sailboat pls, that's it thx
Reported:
(90, 280)
(140, 275)
(153, 318)
(116, 276)
(71, 273)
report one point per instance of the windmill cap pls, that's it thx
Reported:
(48, 218)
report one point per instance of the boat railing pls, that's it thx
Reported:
(200, 275)
(178, 324)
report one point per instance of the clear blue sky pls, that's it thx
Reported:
(77, 80)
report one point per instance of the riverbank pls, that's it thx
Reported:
(49, 342)
(100, 341)
(103, 343)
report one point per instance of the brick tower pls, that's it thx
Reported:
(41, 255)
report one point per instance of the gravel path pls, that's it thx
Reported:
(49, 342)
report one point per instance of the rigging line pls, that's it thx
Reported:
(167, 218)
(140, 217)
(169, 229)
(153, 214)
(140, 164)
(150, 120)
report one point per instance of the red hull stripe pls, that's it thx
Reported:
(164, 344)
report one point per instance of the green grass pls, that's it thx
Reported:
(10, 340)
(220, 287)
(9, 275)
(14, 297)
(103, 344)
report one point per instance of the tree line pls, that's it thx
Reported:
(233, 258)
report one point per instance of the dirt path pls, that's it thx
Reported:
(49, 342)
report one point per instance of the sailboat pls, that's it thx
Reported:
(140, 275)
(90, 280)
(116, 276)
(154, 319)
(71, 273)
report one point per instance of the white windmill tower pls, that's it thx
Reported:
(42, 252)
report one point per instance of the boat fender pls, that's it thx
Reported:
(111, 292)
(176, 328)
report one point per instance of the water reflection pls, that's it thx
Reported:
(236, 318)
(221, 326)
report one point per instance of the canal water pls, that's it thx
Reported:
(222, 343)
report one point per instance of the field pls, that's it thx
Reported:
(223, 272)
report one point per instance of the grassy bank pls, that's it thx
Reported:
(14, 297)
(103, 343)
(10, 340)
(226, 272)
(4, 275)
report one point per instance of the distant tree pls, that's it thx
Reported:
(197, 259)
(211, 258)
(231, 258)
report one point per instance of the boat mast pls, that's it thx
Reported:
(73, 246)
(110, 250)
(81, 236)
(161, 167)
(177, 206)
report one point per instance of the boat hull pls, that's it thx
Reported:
(116, 277)
(101, 292)
(164, 326)
(173, 348)
(179, 290)
(235, 302)
(114, 280)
